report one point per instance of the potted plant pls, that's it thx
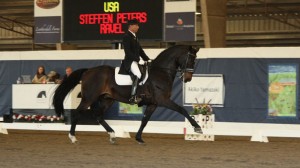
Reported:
(202, 108)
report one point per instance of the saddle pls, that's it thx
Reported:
(122, 79)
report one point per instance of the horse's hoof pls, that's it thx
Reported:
(198, 130)
(112, 137)
(73, 139)
(140, 141)
(113, 140)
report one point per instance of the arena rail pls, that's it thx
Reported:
(255, 131)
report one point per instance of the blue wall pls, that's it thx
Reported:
(246, 86)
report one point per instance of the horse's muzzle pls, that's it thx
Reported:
(187, 76)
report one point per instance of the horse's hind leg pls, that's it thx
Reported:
(75, 117)
(101, 106)
(74, 121)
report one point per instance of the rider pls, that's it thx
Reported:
(133, 52)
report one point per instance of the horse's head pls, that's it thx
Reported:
(179, 58)
(187, 63)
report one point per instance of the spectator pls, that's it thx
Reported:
(40, 76)
(53, 77)
(68, 72)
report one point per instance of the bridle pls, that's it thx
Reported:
(184, 68)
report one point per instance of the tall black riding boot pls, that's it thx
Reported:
(134, 99)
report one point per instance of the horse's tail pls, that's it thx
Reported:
(64, 88)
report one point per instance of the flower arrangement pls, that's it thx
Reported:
(37, 118)
(202, 108)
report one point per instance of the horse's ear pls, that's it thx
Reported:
(194, 48)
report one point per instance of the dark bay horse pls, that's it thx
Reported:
(98, 85)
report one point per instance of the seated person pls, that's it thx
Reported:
(40, 76)
(53, 77)
(68, 72)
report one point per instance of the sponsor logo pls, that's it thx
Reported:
(179, 21)
(47, 4)
(41, 97)
(42, 94)
(47, 28)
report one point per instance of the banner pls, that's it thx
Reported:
(47, 16)
(204, 88)
(39, 96)
(282, 90)
(180, 26)
(47, 8)
(47, 30)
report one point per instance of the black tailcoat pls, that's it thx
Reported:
(133, 51)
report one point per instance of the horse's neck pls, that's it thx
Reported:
(167, 63)
(166, 67)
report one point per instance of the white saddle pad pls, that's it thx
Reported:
(126, 79)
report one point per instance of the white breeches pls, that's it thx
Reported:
(135, 69)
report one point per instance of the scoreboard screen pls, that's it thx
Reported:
(106, 20)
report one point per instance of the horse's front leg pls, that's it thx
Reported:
(173, 106)
(147, 114)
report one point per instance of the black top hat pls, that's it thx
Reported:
(133, 22)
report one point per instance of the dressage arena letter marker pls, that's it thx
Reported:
(206, 122)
